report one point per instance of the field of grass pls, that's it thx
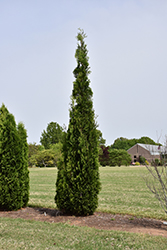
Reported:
(42, 187)
(123, 191)
(21, 234)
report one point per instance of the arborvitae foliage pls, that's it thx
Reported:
(78, 182)
(10, 195)
(11, 163)
(24, 172)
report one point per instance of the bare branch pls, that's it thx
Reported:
(156, 181)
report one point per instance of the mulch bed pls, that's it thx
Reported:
(98, 220)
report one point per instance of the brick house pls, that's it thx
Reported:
(149, 152)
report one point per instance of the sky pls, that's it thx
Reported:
(127, 44)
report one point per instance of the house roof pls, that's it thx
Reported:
(153, 149)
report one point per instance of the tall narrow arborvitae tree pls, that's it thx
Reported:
(11, 163)
(24, 172)
(78, 184)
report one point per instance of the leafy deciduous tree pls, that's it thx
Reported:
(104, 156)
(114, 157)
(33, 150)
(119, 157)
(47, 157)
(52, 135)
(124, 143)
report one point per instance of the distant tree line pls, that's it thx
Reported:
(124, 143)
(49, 152)
(117, 155)
(114, 157)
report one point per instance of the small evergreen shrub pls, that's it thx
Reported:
(142, 160)
(146, 162)
(137, 163)
(155, 162)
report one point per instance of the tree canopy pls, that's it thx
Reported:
(100, 138)
(52, 135)
(124, 143)
(41, 157)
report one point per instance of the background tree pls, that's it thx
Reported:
(142, 160)
(47, 157)
(119, 157)
(13, 194)
(33, 150)
(114, 157)
(147, 140)
(104, 156)
(100, 138)
(124, 143)
(52, 135)
(78, 184)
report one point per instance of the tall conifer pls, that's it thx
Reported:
(24, 172)
(11, 163)
(78, 184)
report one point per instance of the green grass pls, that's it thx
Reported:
(42, 187)
(123, 191)
(22, 234)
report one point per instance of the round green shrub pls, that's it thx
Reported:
(137, 163)
(146, 162)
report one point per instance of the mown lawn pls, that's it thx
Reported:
(21, 234)
(123, 191)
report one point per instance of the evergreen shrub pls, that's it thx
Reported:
(14, 180)
(137, 163)
(146, 162)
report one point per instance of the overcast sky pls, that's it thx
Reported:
(127, 44)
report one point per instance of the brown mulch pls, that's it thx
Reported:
(98, 220)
